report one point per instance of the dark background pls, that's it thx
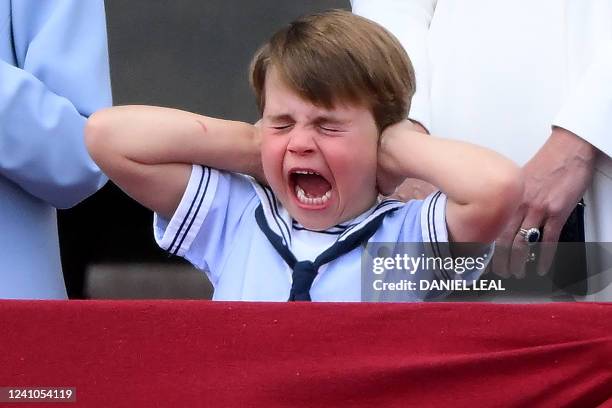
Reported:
(188, 54)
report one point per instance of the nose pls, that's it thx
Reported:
(301, 141)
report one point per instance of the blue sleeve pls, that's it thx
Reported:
(57, 77)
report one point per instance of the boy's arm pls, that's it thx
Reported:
(148, 151)
(483, 187)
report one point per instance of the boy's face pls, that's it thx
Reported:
(321, 163)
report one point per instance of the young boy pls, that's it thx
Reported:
(334, 92)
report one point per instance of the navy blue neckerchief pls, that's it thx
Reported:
(304, 272)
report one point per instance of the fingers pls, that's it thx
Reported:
(522, 251)
(499, 263)
(501, 259)
(520, 254)
(551, 232)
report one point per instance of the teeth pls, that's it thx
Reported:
(301, 195)
(305, 172)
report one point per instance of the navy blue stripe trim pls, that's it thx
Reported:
(319, 232)
(278, 215)
(383, 204)
(195, 213)
(431, 243)
(274, 239)
(386, 204)
(195, 197)
(349, 229)
(433, 222)
(12, 34)
(435, 233)
(336, 228)
(273, 212)
(391, 200)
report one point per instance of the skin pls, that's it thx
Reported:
(148, 151)
(338, 143)
(556, 177)
(411, 188)
(478, 202)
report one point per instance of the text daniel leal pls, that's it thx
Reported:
(425, 284)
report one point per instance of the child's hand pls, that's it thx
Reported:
(257, 171)
(386, 181)
(389, 175)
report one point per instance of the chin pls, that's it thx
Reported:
(313, 221)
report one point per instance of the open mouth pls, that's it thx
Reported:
(311, 188)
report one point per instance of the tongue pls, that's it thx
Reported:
(312, 184)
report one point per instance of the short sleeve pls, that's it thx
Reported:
(433, 224)
(436, 242)
(206, 221)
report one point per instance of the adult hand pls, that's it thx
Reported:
(555, 180)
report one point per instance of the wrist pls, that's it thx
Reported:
(568, 141)
(397, 143)
(256, 168)
(387, 153)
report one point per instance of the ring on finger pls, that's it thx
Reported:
(530, 235)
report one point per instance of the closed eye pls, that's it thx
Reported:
(281, 127)
(330, 130)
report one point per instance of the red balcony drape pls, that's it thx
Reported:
(234, 354)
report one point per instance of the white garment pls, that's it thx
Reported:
(500, 73)
(215, 228)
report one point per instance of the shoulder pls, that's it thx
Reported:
(415, 220)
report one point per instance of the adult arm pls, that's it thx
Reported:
(558, 175)
(560, 172)
(59, 77)
(148, 151)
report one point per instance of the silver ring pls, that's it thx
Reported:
(530, 235)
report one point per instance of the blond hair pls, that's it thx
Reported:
(337, 56)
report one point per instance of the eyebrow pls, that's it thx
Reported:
(279, 118)
(318, 119)
(331, 120)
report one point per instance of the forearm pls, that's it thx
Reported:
(465, 172)
(148, 151)
(481, 185)
(152, 135)
(37, 127)
(56, 76)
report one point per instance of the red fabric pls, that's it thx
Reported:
(218, 354)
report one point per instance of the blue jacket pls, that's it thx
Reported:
(53, 74)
